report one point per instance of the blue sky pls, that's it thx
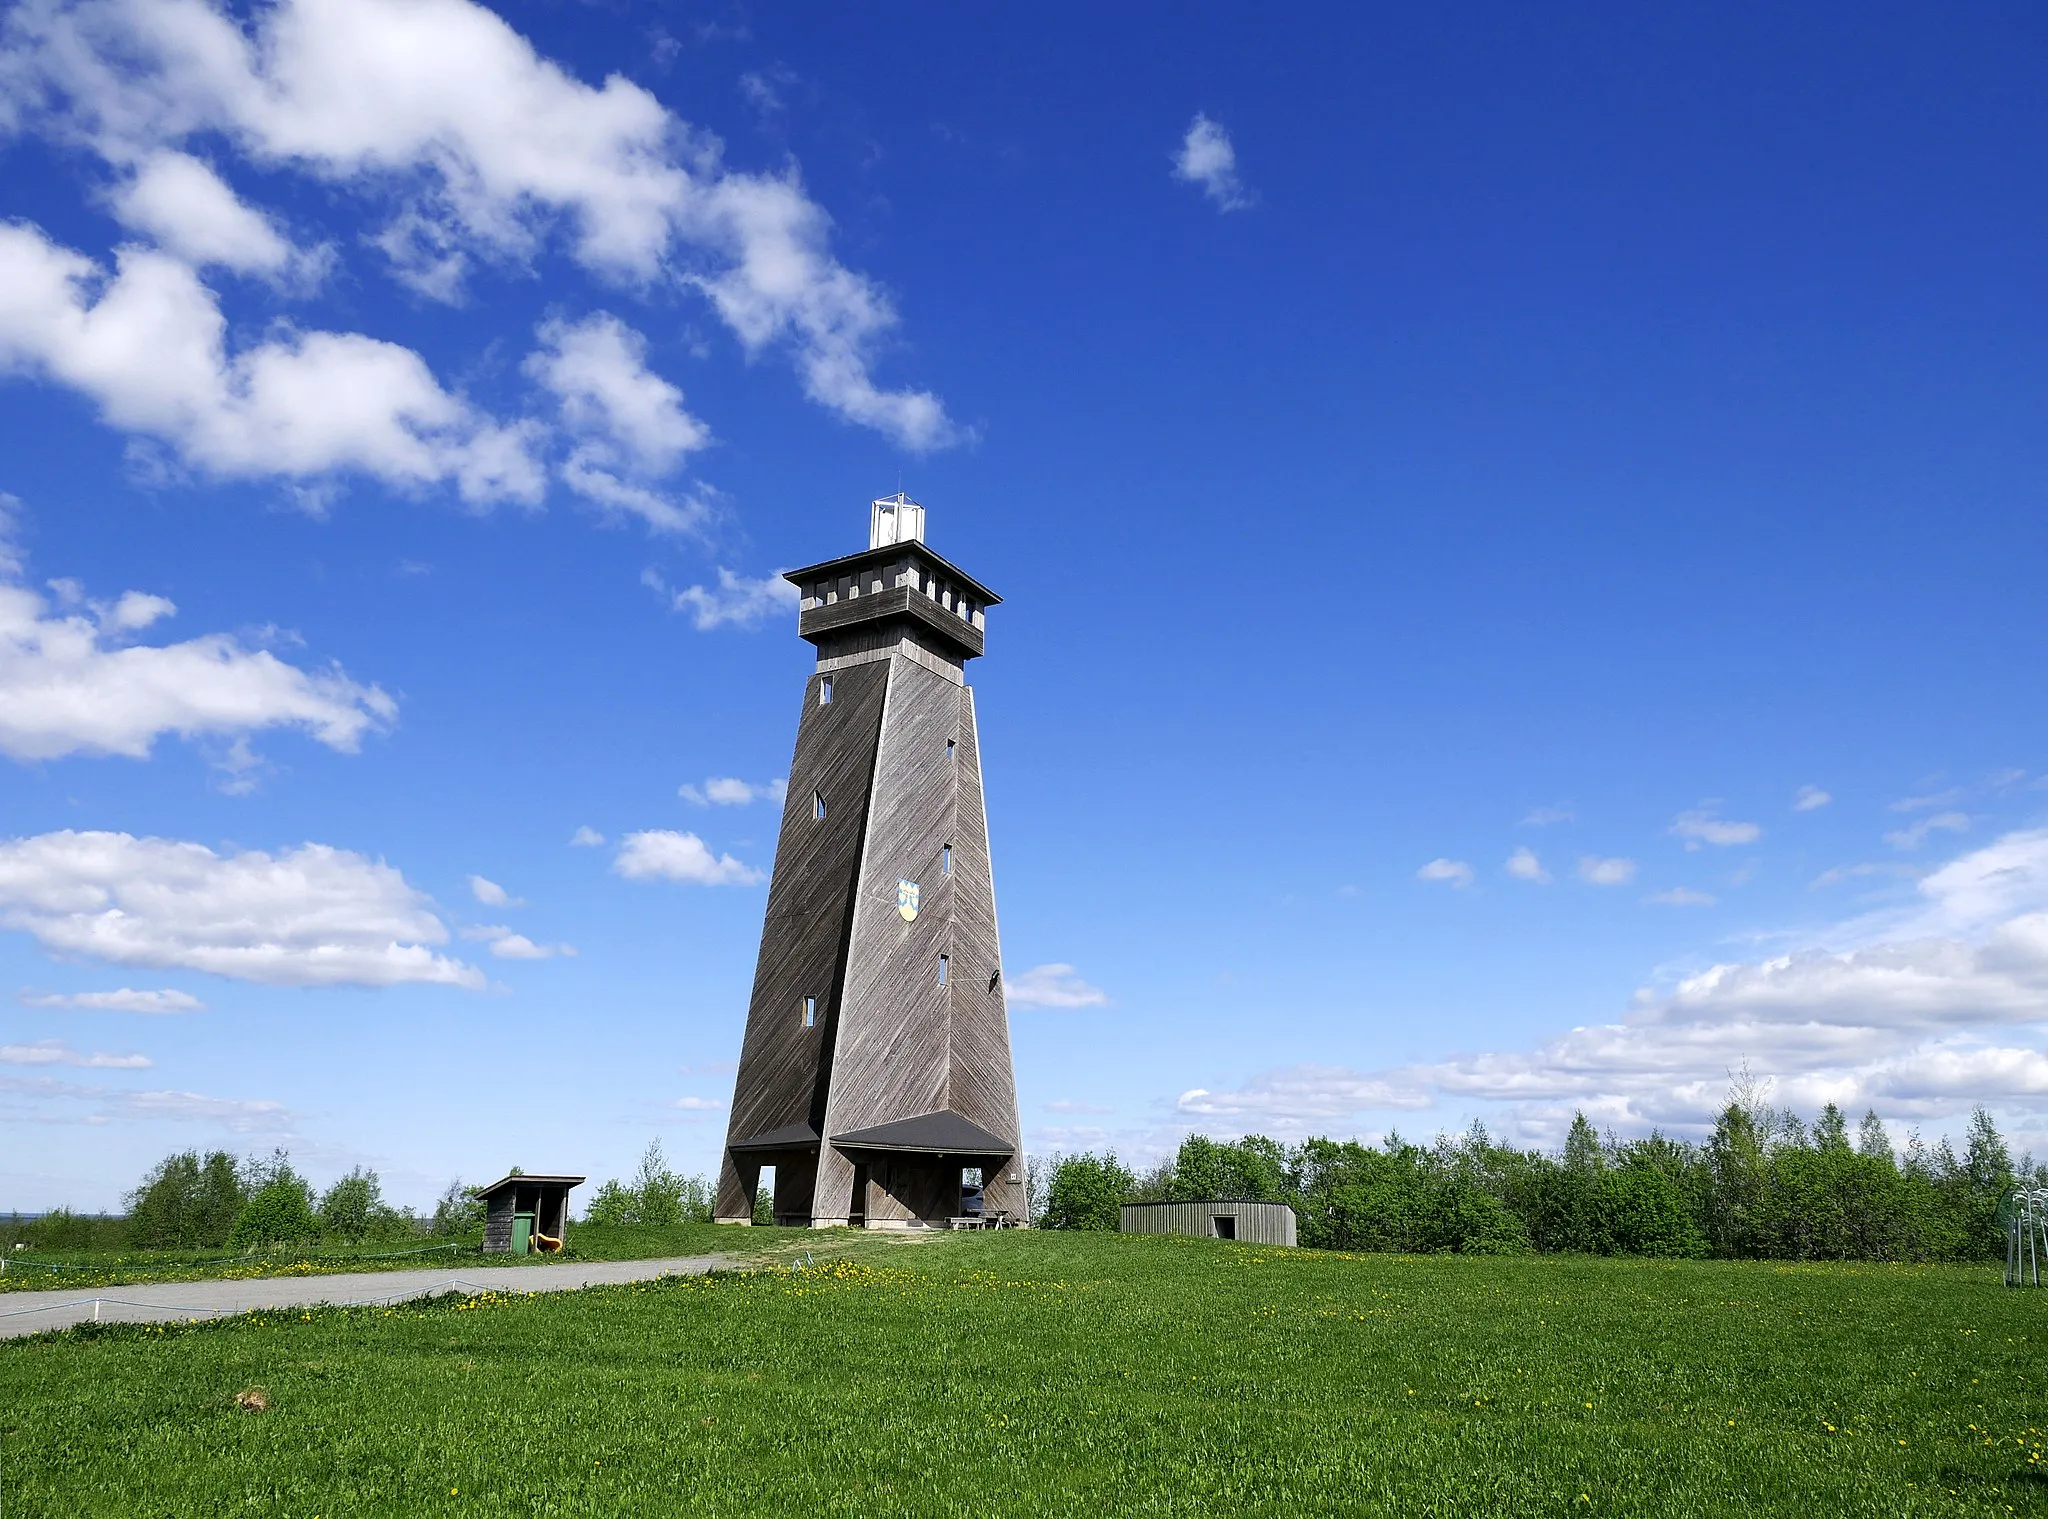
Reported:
(1521, 537)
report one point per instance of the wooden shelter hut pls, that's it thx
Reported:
(524, 1213)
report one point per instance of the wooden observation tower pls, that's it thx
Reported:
(875, 1076)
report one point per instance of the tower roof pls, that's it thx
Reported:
(903, 583)
(914, 550)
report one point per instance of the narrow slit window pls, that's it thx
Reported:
(946, 860)
(942, 970)
(825, 691)
(810, 1012)
(817, 806)
(949, 748)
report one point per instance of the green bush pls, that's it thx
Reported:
(1086, 1192)
(1647, 1212)
(1395, 1199)
(279, 1211)
(354, 1209)
(1251, 1170)
(658, 1197)
(458, 1212)
(62, 1229)
(187, 1203)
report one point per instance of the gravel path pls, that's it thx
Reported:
(157, 1302)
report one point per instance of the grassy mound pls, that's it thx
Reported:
(1040, 1374)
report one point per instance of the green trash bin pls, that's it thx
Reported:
(522, 1233)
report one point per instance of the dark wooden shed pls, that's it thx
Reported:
(523, 1213)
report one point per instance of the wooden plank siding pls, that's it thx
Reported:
(892, 1042)
(1256, 1223)
(785, 1067)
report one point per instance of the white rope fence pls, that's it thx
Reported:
(457, 1284)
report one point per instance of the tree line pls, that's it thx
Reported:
(212, 1201)
(1764, 1185)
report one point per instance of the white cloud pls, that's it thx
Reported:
(244, 1116)
(586, 837)
(660, 854)
(1682, 896)
(1524, 866)
(1293, 1099)
(1809, 799)
(628, 423)
(1457, 872)
(763, 90)
(239, 1115)
(149, 346)
(1915, 835)
(1920, 1012)
(125, 1000)
(519, 947)
(1841, 873)
(1595, 871)
(494, 156)
(662, 511)
(738, 601)
(1543, 817)
(181, 203)
(1700, 826)
(1929, 801)
(783, 284)
(1208, 158)
(725, 791)
(309, 916)
(697, 1104)
(491, 894)
(73, 683)
(57, 1052)
(507, 945)
(1056, 1141)
(1055, 985)
(1067, 1105)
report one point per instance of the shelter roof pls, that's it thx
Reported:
(524, 1178)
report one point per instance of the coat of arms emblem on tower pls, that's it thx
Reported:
(906, 900)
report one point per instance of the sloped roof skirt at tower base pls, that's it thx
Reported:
(791, 1136)
(942, 1133)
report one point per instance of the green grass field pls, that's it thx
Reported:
(1037, 1374)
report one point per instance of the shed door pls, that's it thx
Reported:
(1225, 1225)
